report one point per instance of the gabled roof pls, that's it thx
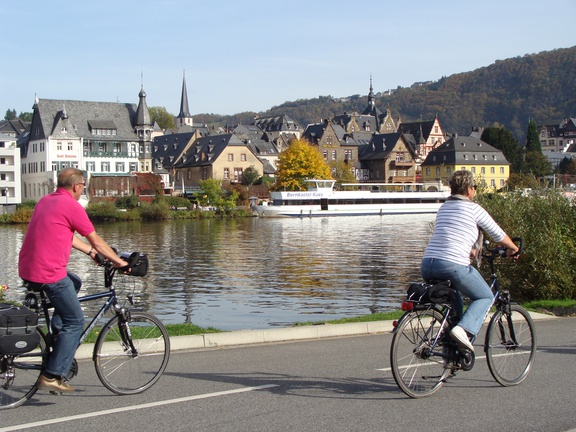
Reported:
(167, 149)
(51, 116)
(380, 146)
(15, 127)
(281, 123)
(465, 151)
(420, 130)
(207, 149)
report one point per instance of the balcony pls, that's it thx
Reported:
(108, 154)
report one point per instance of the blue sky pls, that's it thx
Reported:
(251, 55)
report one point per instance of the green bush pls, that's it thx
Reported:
(155, 211)
(546, 220)
(22, 214)
(102, 211)
(127, 202)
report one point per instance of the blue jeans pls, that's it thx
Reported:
(468, 281)
(68, 319)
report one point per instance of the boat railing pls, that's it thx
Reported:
(385, 187)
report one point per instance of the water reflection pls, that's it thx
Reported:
(257, 273)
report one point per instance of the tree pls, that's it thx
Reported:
(538, 164)
(533, 137)
(502, 139)
(300, 161)
(250, 175)
(26, 116)
(341, 172)
(215, 196)
(161, 116)
(10, 114)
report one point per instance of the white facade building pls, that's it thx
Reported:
(96, 137)
(10, 192)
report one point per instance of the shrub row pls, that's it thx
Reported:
(546, 220)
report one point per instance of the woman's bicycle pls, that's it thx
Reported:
(423, 355)
(130, 353)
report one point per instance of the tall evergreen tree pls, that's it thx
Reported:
(502, 139)
(533, 137)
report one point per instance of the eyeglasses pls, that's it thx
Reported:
(475, 187)
(83, 184)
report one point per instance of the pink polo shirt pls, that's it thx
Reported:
(48, 241)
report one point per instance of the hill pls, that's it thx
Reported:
(508, 92)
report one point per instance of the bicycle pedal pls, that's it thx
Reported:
(55, 393)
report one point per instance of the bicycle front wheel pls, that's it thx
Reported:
(419, 366)
(510, 345)
(19, 374)
(130, 357)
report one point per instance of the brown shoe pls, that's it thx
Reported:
(54, 385)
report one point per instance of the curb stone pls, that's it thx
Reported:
(253, 337)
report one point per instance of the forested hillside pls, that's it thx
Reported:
(510, 92)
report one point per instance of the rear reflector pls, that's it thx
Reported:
(407, 306)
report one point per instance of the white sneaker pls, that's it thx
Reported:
(460, 335)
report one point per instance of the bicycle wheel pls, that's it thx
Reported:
(124, 370)
(510, 346)
(19, 374)
(418, 368)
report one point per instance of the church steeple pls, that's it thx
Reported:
(371, 102)
(184, 117)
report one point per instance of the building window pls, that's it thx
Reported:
(501, 170)
(333, 154)
(119, 166)
(473, 170)
(493, 183)
(243, 157)
(230, 157)
(427, 171)
(59, 145)
(483, 170)
(105, 166)
(448, 170)
(133, 166)
(438, 171)
(325, 153)
(238, 174)
(70, 146)
(492, 170)
(226, 173)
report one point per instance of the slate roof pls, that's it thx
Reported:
(15, 127)
(167, 149)
(207, 149)
(379, 147)
(281, 123)
(420, 130)
(69, 118)
(465, 151)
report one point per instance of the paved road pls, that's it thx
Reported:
(338, 384)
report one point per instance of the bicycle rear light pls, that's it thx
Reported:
(407, 306)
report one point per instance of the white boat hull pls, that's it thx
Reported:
(345, 210)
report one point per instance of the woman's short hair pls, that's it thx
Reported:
(460, 181)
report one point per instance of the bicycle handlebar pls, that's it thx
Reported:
(501, 251)
(132, 258)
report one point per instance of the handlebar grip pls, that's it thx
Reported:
(520, 243)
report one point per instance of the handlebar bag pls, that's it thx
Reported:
(18, 333)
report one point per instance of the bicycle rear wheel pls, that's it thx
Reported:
(510, 345)
(124, 370)
(19, 374)
(418, 368)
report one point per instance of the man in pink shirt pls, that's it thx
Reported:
(44, 259)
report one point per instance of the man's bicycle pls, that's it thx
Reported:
(423, 355)
(130, 353)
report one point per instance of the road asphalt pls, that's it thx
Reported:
(274, 335)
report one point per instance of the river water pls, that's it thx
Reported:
(253, 273)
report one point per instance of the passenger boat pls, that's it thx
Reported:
(320, 199)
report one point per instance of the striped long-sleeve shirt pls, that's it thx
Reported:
(456, 230)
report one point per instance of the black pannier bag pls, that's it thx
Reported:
(431, 293)
(137, 261)
(18, 333)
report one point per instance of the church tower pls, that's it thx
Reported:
(144, 129)
(184, 118)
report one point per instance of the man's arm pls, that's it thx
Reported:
(98, 246)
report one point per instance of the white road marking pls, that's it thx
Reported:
(132, 408)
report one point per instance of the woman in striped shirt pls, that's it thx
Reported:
(447, 256)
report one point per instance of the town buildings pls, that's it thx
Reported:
(487, 163)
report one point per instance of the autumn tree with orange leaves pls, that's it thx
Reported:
(300, 161)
